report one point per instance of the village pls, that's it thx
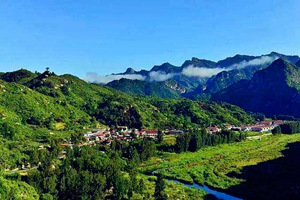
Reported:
(261, 126)
(123, 133)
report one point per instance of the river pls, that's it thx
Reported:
(217, 194)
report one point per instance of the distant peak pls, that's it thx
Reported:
(129, 70)
(194, 59)
(274, 53)
(197, 60)
(167, 64)
(239, 56)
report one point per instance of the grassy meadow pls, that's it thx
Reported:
(211, 165)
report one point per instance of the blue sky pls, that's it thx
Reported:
(108, 36)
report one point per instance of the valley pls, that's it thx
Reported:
(224, 167)
(150, 100)
(64, 138)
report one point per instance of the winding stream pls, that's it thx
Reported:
(217, 194)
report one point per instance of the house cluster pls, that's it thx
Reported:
(121, 133)
(262, 126)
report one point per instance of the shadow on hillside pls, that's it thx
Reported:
(275, 179)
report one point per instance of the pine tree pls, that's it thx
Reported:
(133, 134)
(160, 137)
(159, 188)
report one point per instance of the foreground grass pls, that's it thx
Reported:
(211, 165)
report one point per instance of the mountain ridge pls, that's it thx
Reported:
(273, 90)
(230, 70)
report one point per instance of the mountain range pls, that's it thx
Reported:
(204, 79)
(202, 76)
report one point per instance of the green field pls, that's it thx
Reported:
(173, 190)
(211, 165)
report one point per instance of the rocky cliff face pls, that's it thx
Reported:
(176, 87)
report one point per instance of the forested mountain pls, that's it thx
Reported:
(177, 74)
(165, 89)
(243, 68)
(67, 102)
(273, 91)
(230, 71)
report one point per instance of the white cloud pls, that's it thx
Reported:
(190, 71)
(201, 71)
(257, 61)
(208, 72)
(159, 76)
(95, 78)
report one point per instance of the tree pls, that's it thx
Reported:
(160, 137)
(159, 188)
(76, 138)
(276, 130)
(141, 186)
(120, 186)
(147, 148)
(290, 128)
(182, 142)
(132, 184)
(195, 142)
(133, 134)
(134, 157)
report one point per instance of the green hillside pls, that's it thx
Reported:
(137, 87)
(20, 76)
(67, 103)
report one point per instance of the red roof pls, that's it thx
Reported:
(154, 131)
(278, 122)
(266, 122)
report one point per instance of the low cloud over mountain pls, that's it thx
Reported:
(196, 71)
(159, 76)
(95, 78)
(201, 71)
(257, 61)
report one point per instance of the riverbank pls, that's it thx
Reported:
(218, 167)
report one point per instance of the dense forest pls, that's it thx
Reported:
(39, 111)
(99, 172)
